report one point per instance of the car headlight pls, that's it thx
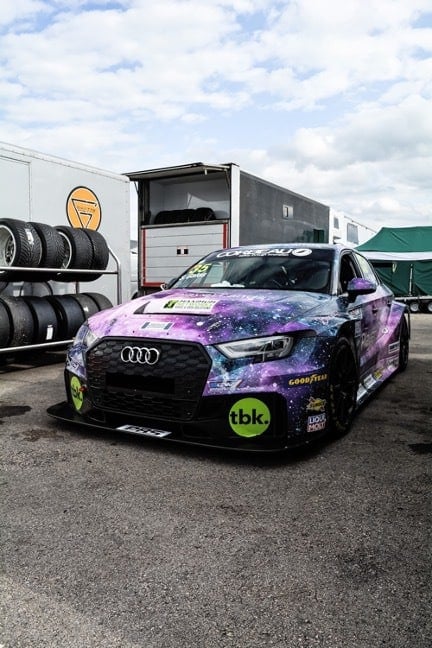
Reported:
(85, 336)
(262, 349)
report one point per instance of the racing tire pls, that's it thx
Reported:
(35, 289)
(52, 246)
(101, 301)
(4, 326)
(100, 254)
(87, 304)
(20, 246)
(343, 385)
(20, 321)
(69, 313)
(45, 323)
(77, 252)
(403, 345)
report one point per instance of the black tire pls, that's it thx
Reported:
(414, 307)
(45, 323)
(101, 301)
(21, 321)
(52, 246)
(343, 385)
(87, 304)
(100, 249)
(35, 289)
(20, 246)
(69, 313)
(403, 345)
(5, 332)
(426, 307)
(77, 252)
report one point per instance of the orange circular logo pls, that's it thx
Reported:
(83, 209)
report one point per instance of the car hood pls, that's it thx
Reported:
(211, 316)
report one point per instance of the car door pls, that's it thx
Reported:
(380, 300)
(367, 310)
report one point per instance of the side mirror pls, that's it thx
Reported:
(360, 286)
(167, 285)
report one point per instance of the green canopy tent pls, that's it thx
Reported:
(402, 257)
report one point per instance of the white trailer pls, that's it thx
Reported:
(186, 211)
(347, 231)
(46, 189)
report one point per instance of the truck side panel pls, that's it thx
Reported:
(14, 173)
(272, 214)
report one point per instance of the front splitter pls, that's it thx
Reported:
(64, 412)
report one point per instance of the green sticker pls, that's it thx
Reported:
(76, 391)
(249, 417)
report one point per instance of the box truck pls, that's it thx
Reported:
(186, 211)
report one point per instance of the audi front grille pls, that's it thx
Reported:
(146, 377)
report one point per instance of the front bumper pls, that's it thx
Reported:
(249, 422)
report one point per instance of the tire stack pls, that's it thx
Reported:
(31, 320)
(37, 245)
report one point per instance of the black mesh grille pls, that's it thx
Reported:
(170, 389)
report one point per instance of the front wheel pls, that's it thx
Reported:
(343, 385)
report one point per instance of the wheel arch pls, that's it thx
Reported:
(348, 331)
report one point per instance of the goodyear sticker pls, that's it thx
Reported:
(77, 393)
(307, 380)
(249, 417)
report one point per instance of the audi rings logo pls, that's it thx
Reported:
(140, 355)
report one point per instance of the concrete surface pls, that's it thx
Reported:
(117, 542)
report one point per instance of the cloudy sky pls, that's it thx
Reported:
(330, 98)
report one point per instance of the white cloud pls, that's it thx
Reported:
(330, 99)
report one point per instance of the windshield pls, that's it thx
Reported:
(283, 272)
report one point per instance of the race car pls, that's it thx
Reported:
(252, 348)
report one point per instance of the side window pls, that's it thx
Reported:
(347, 272)
(366, 268)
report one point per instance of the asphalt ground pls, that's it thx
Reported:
(121, 542)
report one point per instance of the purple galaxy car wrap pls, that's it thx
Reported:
(254, 348)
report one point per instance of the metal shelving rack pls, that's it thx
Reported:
(49, 272)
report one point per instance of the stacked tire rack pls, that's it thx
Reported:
(60, 253)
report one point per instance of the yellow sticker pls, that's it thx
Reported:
(200, 268)
(77, 393)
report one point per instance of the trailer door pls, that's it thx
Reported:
(167, 251)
